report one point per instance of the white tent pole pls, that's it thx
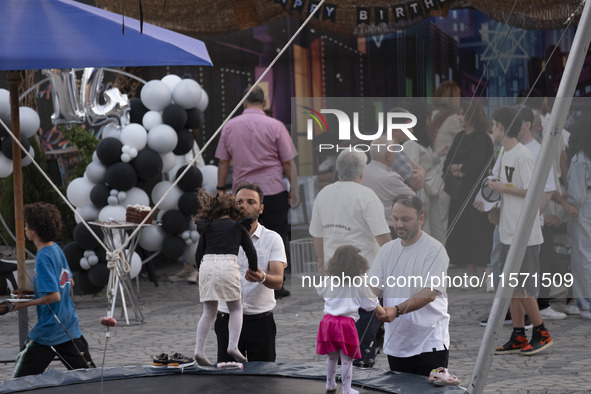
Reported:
(552, 133)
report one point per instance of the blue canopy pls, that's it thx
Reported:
(37, 34)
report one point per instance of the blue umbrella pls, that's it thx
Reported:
(36, 34)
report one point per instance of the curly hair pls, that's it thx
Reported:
(347, 261)
(474, 114)
(44, 219)
(214, 207)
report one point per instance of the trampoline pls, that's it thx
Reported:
(257, 377)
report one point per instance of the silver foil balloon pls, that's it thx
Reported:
(116, 104)
(67, 107)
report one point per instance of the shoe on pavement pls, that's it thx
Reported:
(192, 278)
(572, 309)
(489, 285)
(177, 360)
(550, 314)
(282, 292)
(515, 345)
(182, 274)
(540, 340)
(506, 322)
(586, 315)
(160, 361)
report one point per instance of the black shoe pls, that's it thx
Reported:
(515, 345)
(506, 322)
(160, 361)
(282, 292)
(179, 361)
(540, 340)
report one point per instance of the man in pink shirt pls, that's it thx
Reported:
(261, 151)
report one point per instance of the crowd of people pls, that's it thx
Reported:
(404, 214)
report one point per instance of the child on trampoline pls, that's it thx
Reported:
(337, 335)
(219, 274)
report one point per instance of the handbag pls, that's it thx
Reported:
(452, 186)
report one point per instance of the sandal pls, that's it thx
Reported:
(441, 377)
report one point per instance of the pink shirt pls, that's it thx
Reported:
(257, 144)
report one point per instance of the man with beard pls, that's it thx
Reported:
(257, 339)
(409, 272)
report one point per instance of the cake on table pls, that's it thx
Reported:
(136, 214)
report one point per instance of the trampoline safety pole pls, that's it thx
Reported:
(552, 133)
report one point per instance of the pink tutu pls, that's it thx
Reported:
(337, 333)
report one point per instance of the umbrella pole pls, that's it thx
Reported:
(14, 78)
(552, 133)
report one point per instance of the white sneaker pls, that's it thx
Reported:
(192, 278)
(572, 309)
(550, 314)
(586, 315)
(182, 274)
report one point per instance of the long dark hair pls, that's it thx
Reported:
(475, 116)
(580, 138)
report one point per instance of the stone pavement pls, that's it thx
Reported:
(171, 312)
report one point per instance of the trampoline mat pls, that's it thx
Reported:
(199, 383)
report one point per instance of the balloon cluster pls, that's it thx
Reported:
(29, 124)
(131, 159)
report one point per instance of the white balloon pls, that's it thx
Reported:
(113, 192)
(187, 93)
(189, 254)
(112, 130)
(133, 153)
(121, 196)
(204, 101)
(168, 161)
(171, 200)
(5, 106)
(137, 196)
(186, 235)
(84, 264)
(134, 136)
(151, 119)
(88, 253)
(162, 138)
(210, 174)
(135, 265)
(194, 235)
(125, 158)
(26, 160)
(95, 156)
(78, 192)
(155, 95)
(29, 121)
(112, 200)
(171, 80)
(88, 212)
(112, 213)
(95, 172)
(152, 237)
(93, 260)
(6, 166)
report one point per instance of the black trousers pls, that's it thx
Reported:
(257, 339)
(35, 358)
(421, 364)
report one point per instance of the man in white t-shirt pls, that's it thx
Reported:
(348, 213)
(257, 339)
(516, 168)
(410, 271)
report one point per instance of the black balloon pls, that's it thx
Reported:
(174, 222)
(148, 164)
(121, 176)
(108, 150)
(189, 203)
(84, 285)
(101, 253)
(73, 254)
(137, 110)
(194, 119)
(185, 142)
(175, 116)
(99, 195)
(85, 239)
(191, 180)
(98, 275)
(173, 247)
(7, 147)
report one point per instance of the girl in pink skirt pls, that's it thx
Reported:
(343, 296)
(217, 262)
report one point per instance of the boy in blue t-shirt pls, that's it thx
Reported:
(57, 326)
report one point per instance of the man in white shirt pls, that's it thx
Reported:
(409, 272)
(257, 339)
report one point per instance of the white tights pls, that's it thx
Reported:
(346, 371)
(210, 309)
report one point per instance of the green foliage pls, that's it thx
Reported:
(86, 143)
